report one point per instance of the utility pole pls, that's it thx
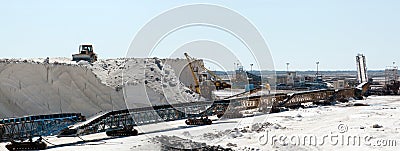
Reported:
(318, 76)
(287, 66)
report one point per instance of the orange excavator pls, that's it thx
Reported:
(218, 82)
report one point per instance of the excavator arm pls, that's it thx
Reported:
(196, 81)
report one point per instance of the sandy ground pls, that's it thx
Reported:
(328, 128)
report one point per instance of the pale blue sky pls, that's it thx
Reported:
(300, 32)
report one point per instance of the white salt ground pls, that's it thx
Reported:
(317, 122)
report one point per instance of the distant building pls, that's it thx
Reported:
(361, 68)
(319, 78)
(309, 79)
(281, 79)
(241, 79)
(291, 77)
(339, 84)
(391, 74)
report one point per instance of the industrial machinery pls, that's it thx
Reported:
(29, 145)
(362, 75)
(196, 81)
(200, 121)
(86, 53)
(125, 131)
(218, 82)
(392, 88)
(392, 82)
(391, 85)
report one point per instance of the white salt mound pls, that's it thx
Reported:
(38, 86)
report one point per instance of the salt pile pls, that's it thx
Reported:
(41, 86)
(32, 88)
(138, 74)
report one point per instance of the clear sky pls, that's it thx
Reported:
(300, 32)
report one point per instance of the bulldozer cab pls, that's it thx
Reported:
(85, 49)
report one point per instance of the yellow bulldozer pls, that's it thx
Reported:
(85, 53)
